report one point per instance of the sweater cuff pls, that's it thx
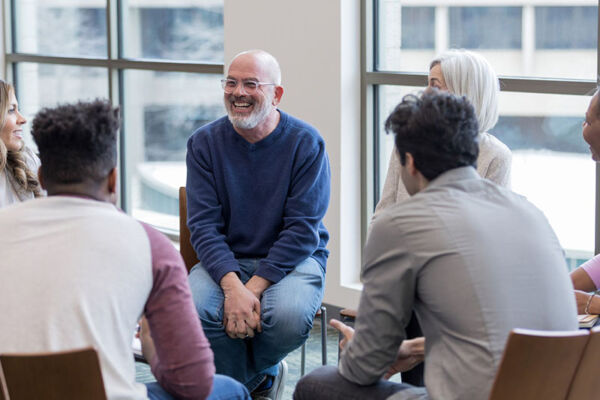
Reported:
(269, 271)
(219, 271)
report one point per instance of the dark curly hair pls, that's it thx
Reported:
(438, 128)
(77, 142)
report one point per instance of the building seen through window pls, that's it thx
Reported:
(551, 162)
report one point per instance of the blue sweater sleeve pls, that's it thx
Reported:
(204, 216)
(305, 207)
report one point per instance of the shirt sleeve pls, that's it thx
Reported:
(204, 216)
(386, 303)
(304, 210)
(183, 364)
(500, 169)
(592, 267)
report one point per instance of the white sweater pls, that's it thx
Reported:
(8, 194)
(493, 163)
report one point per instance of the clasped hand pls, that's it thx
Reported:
(241, 313)
(410, 353)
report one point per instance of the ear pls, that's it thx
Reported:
(278, 95)
(410, 165)
(111, 186)
(112, 181)
(41, 178)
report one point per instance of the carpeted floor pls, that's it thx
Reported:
(313, 359)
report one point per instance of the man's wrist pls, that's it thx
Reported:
(257, 285)
(229, 281)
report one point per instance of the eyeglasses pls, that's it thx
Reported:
(250, 87)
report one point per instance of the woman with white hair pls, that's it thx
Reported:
(468, 74)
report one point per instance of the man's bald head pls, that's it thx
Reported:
(262, 61)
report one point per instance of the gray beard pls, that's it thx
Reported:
(246, 123)
(252, 120)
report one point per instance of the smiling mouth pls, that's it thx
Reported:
(241, 104)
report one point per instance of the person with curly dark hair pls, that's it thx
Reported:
(80, 273)
(473, 259)
(18, 164)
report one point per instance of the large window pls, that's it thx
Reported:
(159, 60)
(546, 58)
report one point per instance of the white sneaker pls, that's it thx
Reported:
(275, 392)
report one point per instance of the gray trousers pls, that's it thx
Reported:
(326, 383)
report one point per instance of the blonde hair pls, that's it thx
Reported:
(469, 74)
(23, 179)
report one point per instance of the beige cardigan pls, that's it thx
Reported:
(493, 163)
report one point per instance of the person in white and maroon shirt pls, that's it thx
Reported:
(78, 272)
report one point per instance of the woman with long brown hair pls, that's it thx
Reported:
(18, 164)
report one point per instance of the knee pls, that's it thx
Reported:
(207, 296)
(289, 326)
(225, 387)
(317, 384)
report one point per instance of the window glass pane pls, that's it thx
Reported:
(161, 111)
(551, 166)
(418, 27)
(566, 27)
(406, 36)
(485, 27)
(61, 27)
(556, 41)
(175, 30)
(46, 85)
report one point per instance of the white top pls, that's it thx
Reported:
(8, 194)
(493, 163)
(78, 272)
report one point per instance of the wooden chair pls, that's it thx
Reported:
(185, 246)
(68, 375)
(584, 385)
(190, 258)
(539, 365)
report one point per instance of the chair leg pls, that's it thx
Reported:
(323, 335)
(302, 359)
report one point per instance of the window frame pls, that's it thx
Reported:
(372, 78)
(115, 64)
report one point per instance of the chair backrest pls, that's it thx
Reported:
(585, 384)
(69, 375)
(185, 246)
(538, 365)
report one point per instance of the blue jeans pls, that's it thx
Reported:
(287, 311)
(224, 388)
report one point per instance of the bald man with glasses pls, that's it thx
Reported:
(258, 186)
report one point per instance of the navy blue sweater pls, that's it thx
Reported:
(263, 200)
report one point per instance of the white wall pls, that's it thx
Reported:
(317, 43)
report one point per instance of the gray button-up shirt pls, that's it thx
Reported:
(474, 260)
